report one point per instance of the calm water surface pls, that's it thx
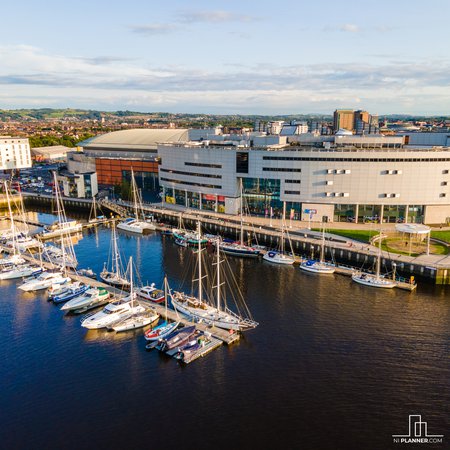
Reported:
(333, 365)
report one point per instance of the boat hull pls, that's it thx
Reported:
(277, 258)
(243, 253)
(372, 281)
(317, 268)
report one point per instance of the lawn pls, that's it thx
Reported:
(441, 235)
(357, 235)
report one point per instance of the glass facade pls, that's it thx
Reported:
(147, 182)
(394, 213)
(261, 194)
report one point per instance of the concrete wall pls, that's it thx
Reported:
(436, 214)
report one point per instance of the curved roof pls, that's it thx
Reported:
(138, 138)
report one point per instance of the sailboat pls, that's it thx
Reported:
(22, 239)
(136, 224)
(115, 276)
(184, 237)
(198, 309)
(279, 257)
(374, 280)
(239, 248)
(94, 218)
(165, 328)
(64, 254)
(320, 266)
(15, 258)
(115, 312)
(140, 318)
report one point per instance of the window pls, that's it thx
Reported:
(210, 186)
(443, 194)
(292, 192)
(445, 172)
(280, 169)
(242, 162)
(444, 183)
(181, 172)
(292, 181)
(195, 164)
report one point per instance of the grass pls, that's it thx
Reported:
(357, 235)
(441, 235)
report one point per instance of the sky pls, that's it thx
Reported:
(227, 57)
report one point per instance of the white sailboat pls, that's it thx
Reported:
(136, 320)
(114, 277)
(320, 266)
(64, 254)
(280, 257)
(239, 248)
(115, 312)
(136, 224)
(374, 280)
(198, 309)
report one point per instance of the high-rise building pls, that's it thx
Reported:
(343, 118)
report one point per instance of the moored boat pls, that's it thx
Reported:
(151, 293)
(44, 281)
(90, 299)
(177, 338)
(74, 290)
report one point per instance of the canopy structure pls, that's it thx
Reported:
(415, 232)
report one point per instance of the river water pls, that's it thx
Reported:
(333, 365)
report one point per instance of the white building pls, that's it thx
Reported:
(14, 153)
(339, 182)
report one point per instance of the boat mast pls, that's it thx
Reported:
(322, 248)
(219, 284)
(135, 199)
(130, 268)
(165, 292)
(377, 272)
(11, 218)
(200, 293)
(242, 220)
(115, 252)
(282, 228)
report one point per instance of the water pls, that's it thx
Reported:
(333, 365)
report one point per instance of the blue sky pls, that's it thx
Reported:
(230, 57)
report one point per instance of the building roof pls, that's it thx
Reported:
(51, 150)
(136, 139)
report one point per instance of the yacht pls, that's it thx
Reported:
(59, 228)
(135, 321)
(151, 293)
(19, 271)
(90, 299)
(320, 266)
(112, 313)
(44, 281)
(73, 290)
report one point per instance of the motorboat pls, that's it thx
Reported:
(13, 260)
(87, 273)
(75, 289)
(19, 271)
(151, 293)
(181, 242)
(112, 313)
(59, 228)
(278, 258)
(44, 281)
(90, 299)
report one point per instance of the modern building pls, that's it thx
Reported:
(14, 153)
(351, 179)
(360, 122)
(116, 154)
(51, 153)
(79, 179)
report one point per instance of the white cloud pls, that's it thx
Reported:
(153, 28)
(213, 17)
(29, 76)
(349, 28)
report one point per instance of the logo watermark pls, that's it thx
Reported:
(417, 433)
